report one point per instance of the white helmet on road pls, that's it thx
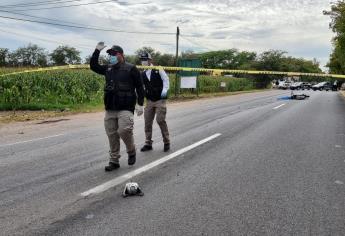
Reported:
(132, 189)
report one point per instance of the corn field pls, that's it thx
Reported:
(62, 89)
(50, 90)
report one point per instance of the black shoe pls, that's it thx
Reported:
(146, 148)
(131, 159)
(112, 166)
(166, 147)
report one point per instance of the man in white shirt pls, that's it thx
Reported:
(156, 83)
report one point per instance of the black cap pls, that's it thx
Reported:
(145, 56)
(115, 48)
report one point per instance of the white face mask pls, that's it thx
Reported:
(144, 63)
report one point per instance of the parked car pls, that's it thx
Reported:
(328, 87)
(284, 84)
(306, 85)
(322, 86)
(296, 86)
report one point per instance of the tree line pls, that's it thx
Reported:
(35, 56)
(273, 60)
(336, 62)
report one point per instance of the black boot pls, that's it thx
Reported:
(112, 166)
(131, 159)
(146, 148)
(166, 147)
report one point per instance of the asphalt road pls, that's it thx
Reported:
(271, 167)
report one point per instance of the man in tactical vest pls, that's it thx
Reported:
(123, 89)
(156, 83)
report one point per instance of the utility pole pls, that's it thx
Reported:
(176, 58)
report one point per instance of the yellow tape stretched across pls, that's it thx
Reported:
(168, 68)
(48, 69)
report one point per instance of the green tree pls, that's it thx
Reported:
(133, 59)
(4, 56)
(189, 54)
(103, 60)
(228, 59)
(336, 63)
(31, 55)
(245, 60)
(158, 57)
(218, 59)
(13, 59)
(154, 54)
(271, 60)
(64, 55)
(165, 60)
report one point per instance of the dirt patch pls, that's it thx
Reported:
(10, 116)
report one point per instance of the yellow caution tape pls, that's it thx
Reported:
(169, 68)
(48, 69)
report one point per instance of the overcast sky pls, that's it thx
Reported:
(295, 26)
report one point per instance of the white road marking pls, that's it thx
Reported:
(279, 106)
(32, 140)
(119, 180)
(339, 182)
(338, 146)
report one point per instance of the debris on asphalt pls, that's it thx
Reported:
(132, 189)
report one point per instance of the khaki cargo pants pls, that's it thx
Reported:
(119, 124)
(151, 109)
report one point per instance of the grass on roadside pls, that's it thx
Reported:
(29, 115)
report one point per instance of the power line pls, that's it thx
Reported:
(38, 3)
(75, 5)
(87, 27)
(83, 26)
(45, 18)
(25, 3)
(74, 24)
(46, 40)
(192, 36)
(196, 43)
(78, 45)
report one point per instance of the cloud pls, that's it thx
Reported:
(296, 26)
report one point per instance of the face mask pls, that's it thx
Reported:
(113, 60)
(145, 63)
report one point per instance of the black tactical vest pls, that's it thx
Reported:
(119, 91)
(154, 86)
